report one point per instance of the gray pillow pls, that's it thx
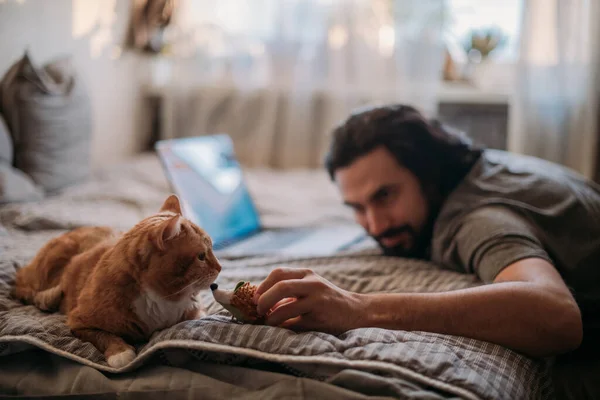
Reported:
(49, 115)
(6, 145)
(15, 186)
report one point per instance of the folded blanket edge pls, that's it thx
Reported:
(151, 351)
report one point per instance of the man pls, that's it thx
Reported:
(528, 228)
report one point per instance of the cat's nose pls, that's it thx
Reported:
(213, 286)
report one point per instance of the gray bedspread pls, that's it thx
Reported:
(417, 364)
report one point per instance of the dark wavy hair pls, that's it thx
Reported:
(438, 156)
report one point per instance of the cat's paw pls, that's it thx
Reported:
(120, 360)
(49, 299)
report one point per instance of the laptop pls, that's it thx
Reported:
(204, 172)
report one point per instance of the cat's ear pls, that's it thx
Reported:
(172, 204)
(166, 231)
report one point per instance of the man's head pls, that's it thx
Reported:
(395, 168)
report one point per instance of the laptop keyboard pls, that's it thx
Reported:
(278, 240)
(224, 244)
(272, 240)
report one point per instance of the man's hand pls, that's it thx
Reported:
(528, 308)
(299, 299)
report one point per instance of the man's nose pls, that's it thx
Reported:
(377, 223)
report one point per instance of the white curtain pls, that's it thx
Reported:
(557, 88)
(279, 74)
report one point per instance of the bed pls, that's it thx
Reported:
(215, 357)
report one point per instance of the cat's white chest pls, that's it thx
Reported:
(158, 313)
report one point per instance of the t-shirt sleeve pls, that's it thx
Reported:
(492, 238)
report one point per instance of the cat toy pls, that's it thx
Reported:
(238, 302)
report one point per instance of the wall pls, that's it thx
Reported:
(92, 31)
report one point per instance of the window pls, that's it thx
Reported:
(465, 15)
(229, 26)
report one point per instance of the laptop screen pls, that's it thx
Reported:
(209, 180)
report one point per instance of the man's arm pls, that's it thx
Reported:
(528, 309)
(526, 306)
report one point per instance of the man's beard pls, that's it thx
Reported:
(419, 243)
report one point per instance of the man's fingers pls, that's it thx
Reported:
(288, 311)
(277, 275)
(297, 324)
(282, 302)
(281, 290)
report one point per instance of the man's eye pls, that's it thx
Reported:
(358, 210)
(384, 196)
(202, 256)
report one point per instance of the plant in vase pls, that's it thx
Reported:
(479, 46)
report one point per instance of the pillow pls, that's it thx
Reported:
(49, 115)
(6, 145)
(16, 186)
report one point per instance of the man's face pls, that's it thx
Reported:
(387, 200)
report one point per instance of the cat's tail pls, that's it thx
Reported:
(49, 299)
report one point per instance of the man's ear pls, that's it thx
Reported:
(172, 204)
(166, 231)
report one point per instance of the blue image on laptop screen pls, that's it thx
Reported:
(214, 187)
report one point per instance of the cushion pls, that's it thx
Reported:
(15, 186)
(6, 144)
(49, 116)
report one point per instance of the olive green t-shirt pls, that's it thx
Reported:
(510, 207)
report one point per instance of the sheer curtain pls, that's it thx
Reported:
(557, 86)
(279, 74)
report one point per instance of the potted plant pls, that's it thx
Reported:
(479, 46)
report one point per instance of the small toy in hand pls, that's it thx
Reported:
(238, 302)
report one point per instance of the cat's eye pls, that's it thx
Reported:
(202, 256)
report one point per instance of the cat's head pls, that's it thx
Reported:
(174, 255)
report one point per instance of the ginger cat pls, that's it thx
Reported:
(119, 289)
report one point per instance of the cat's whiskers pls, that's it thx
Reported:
(171, 282)
(185, 287)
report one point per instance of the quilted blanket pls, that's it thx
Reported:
(439, 366)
